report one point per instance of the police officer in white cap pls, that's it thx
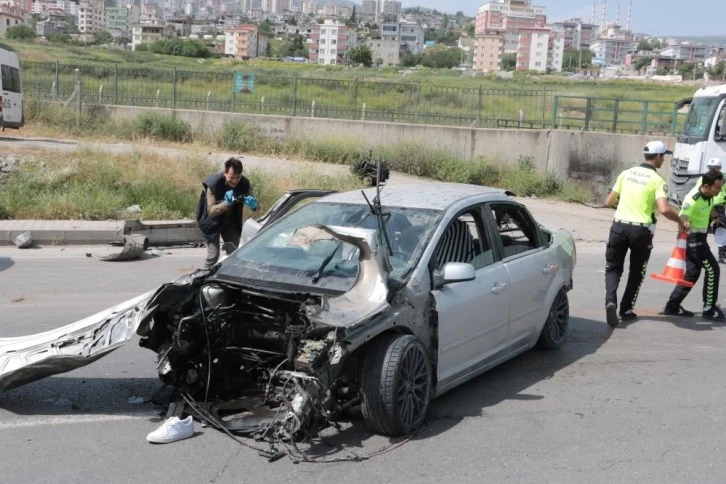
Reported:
(638, 192)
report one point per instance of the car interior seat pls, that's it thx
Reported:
(457, 245)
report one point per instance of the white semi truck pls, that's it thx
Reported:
(703, 137)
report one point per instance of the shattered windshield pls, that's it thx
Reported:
(283, 253)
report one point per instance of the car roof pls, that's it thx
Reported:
(436, 196)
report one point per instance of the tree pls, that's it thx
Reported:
(646, 44)
(102, 37)
(361, 54)
(509, 62)
(644, 62)
(441, 57)
(572, 59)
(180, 47)
(470, 29)
(265, 28)
(20, 32)
(352, 15)
(408, 59)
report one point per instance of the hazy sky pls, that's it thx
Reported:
(654, 17)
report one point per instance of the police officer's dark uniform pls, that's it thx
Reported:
(638, 190)
(698, 207)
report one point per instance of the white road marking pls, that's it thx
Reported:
(72, 420)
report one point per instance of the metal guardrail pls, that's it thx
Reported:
(277, 94)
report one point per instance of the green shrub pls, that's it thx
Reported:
(244, 138)
(161, 127)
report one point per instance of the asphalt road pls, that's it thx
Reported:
(642, 403)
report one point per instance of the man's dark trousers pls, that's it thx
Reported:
(639, 241)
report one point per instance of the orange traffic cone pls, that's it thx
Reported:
(676, 266)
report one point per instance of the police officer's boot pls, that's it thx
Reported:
(722, 254)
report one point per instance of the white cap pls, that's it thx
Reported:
(656, 148)
(714, 162)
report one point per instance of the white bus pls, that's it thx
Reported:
(11, 101)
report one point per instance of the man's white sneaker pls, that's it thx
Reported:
(172, 430)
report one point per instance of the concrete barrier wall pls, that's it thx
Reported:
(589, 156)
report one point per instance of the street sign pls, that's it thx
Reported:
(244, 82)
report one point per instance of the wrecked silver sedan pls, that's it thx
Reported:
(378, 301)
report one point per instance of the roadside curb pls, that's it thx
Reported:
(82, 232)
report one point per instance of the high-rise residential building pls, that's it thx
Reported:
(370, 9)
(391, 8)
(577, 34)
(309, 7)
(330, 10)
(90, 17)
(509, 15)
(118, 20)
(329, 42)
(613, 45)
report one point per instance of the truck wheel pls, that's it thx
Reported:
(395, 385)
(558, 319)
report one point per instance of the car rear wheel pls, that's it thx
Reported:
(558, 319)
(395, 385)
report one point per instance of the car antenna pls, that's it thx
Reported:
(377, 210)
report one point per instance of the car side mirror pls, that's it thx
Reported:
(454, 272)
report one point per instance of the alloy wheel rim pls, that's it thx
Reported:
(414, 386)
(558, 318)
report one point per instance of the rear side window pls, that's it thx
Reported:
(11, 78)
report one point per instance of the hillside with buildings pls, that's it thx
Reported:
(500, 35)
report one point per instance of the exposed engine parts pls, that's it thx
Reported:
(258, 354)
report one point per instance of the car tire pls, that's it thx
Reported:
(396, 385)
(558, 320)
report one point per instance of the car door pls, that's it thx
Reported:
(473, 316)
(531, 268)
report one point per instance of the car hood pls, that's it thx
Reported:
(28, 358)
(369, 294)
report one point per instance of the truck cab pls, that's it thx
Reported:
(703, 137)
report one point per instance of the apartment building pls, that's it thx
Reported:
(118, 20)
(410, 36)
(330, 10)
(329, 42)
(385, 52)
(91, 17)
(244, 42)
(686, 52)
(309, 7)
(488, 50)
(147, 33)
(370, 9)
(613, 45)
(508, 15)
(10, 16)
(391, 8)
(577, 34)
